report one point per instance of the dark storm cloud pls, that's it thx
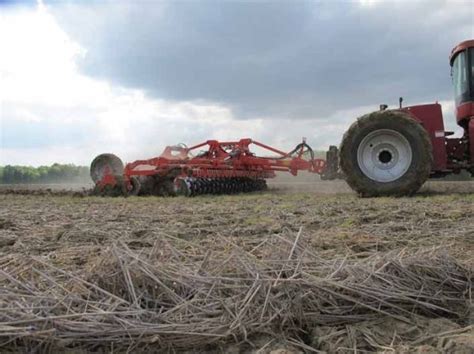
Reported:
(273, 59)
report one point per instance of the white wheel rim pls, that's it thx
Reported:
(384, 155)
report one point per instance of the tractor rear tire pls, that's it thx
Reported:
(386, 153)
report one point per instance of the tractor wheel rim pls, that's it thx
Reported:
(384, 155)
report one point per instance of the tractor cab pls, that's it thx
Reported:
(462, 70)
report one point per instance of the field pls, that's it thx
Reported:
(298, 268)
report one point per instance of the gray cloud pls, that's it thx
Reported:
(273, 59)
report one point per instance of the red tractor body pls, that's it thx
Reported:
(451, 155)
(431, 117)
(462, 63)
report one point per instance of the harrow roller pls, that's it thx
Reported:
(106, 164)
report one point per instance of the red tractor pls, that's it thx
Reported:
(393, 152)
(387, 152)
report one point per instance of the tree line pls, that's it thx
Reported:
(56, 173)
(70, 173)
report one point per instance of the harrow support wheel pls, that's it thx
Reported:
(182, 186)
(166, 188)
(386, 153)
(136, 186)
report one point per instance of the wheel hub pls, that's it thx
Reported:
(384, 155)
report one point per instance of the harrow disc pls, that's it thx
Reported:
(106, 163)
(191, 186)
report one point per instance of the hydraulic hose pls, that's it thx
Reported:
(299, 146)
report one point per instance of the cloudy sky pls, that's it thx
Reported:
(78, 78)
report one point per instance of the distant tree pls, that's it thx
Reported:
(55, 173)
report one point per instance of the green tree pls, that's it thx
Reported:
(55, 173)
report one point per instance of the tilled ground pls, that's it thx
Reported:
(334, 224)
(72, 231)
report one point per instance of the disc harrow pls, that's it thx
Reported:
(222, 168)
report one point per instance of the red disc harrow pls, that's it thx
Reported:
(211, 167)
